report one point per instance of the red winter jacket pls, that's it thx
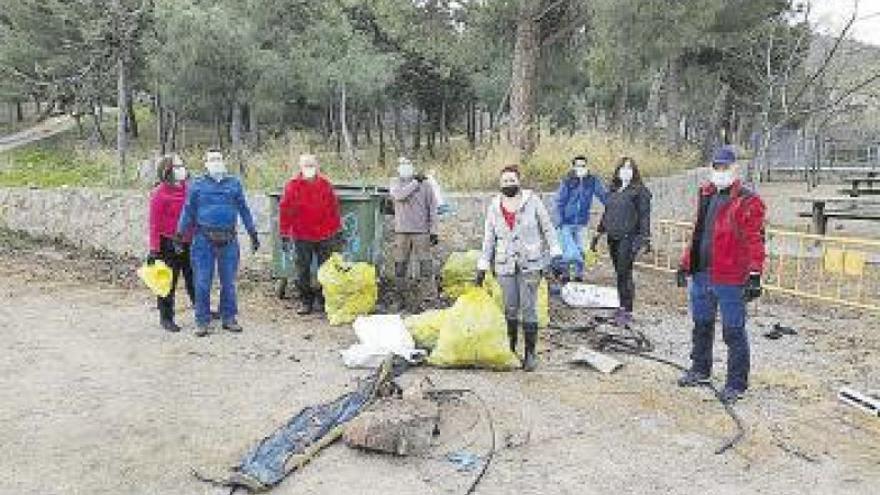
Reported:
(737, 236)
(166, 202)
(309, 210)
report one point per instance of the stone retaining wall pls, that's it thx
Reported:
(116, 220)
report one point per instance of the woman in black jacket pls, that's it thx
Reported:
(627, 221)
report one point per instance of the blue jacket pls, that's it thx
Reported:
(215, 204)
(575, 198)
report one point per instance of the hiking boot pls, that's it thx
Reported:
(201, 330)
(512, 334)
(730, 395)
(232, 326)
(169, 325)
(530, 331)
(305, 308)
(691, 378)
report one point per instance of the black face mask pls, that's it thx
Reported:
(510, 191)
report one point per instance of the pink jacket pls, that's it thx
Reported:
(166, 202)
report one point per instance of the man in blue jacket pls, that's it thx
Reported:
(573, 202)
(212, 207)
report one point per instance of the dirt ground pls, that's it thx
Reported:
(96, 399)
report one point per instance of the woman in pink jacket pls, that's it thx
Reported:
(166, 202)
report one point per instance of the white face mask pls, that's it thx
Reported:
(625, 174)
(309, 172)
(580, 171)
(722, 178)
(178, 174)
(405, 171)
(216, 168)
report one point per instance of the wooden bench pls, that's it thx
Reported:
(860, 186)
(820, 222)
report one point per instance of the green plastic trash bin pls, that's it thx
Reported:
(362, 209)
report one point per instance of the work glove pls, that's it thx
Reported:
(753, 288)
(435, 239)
(152, 256)
(419, 177)
(255, 242)
(681, 278)
(478, 280)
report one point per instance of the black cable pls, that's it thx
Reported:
(637, 344)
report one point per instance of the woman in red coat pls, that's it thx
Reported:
(166, 202)
(308, 222)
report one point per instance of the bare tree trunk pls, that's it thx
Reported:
(19, 112)
(443, 134)
(97, 133)
(653, 106)
(218, 132)
(620, 102)
(523, 79)
(355, 125)
(480, 121)
(122, 116)
(368, 126)
(171, 134)
(398, 130)
(235, 132)
(343, 120)
(131, 117)
(253, 126)
(417, 131)
(161, 124)
(712, 132)
(380, 132)
(673, 104)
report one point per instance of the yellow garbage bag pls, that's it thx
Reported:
(157, 277)
(473, 333)
(350, 289)
(425, 327)
(494, 288)
(458, 273)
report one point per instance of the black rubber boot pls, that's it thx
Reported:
(530, 331)
(306, 307)
(512, 333)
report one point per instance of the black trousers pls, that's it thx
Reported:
(180, 265)
(306, 252)
(621, 251)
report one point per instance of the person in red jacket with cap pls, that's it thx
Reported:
(166, 203)
(309, 221)
(725, 260)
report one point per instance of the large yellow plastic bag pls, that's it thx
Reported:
(473, 333)
(425, 327)
(350, 289)
(157, 277)
(458, 273)
(494, 288)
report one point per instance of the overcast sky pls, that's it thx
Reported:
(831, 16)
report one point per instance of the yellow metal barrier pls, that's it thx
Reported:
(837, 270)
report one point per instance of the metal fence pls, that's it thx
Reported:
(836, 270)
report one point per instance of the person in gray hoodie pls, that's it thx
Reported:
(415, 232)
(627, 221)
(518, 242)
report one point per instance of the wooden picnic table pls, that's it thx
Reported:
(863, 186)
(845, 207)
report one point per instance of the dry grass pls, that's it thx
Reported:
(460, 168)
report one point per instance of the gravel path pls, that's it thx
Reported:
(97, 400)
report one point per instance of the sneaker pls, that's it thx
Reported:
(691, 378)
(201, 330)
(232, 326)
(730, 395)
(170, 326)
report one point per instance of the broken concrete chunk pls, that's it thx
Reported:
(395, 426)
(602, 362)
